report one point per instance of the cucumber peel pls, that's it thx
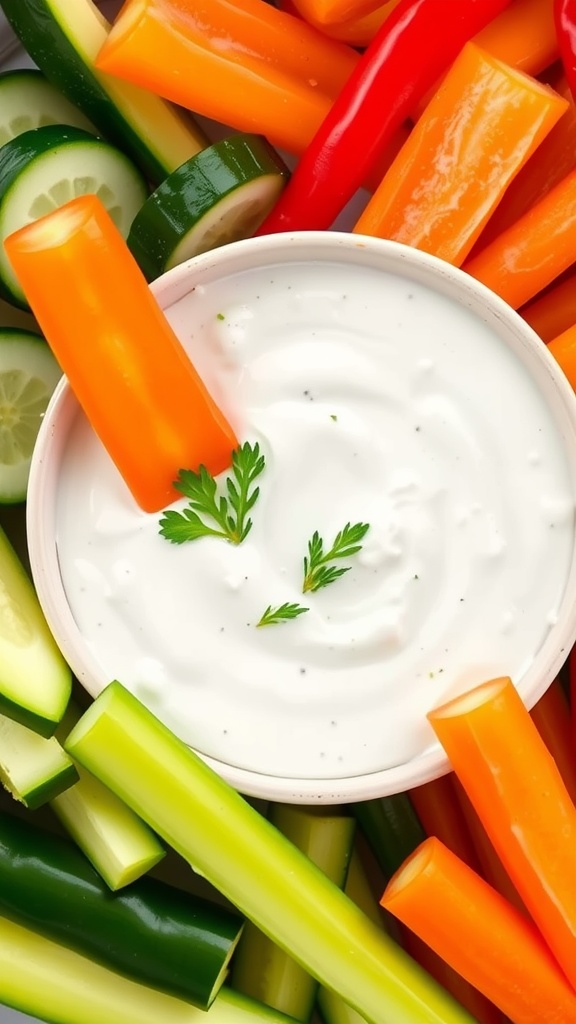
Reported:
(275, 885)
(33, 768)
(63, 37)
(221, 195)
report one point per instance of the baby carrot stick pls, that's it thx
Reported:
(551, 716)
(554, 310)
(242, 63)
(522, 801)
(534, 250)
(354, 31)
(480, 935)
(482, 125)
(563, 348)
(437, 806)
(126, 366)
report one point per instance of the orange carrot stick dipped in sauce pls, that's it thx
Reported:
(128, 370)
(480, 935)
(479, 129)
(518, 793)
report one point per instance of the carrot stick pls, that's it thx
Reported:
(480, 935)
(522, 801)
(355, 31)
(523, 35)
(478, 130)
(551, 716)
(554, 310)
(126, 366)
(563, 348)
(437, 806)
(242, 63)
(534, 250)
(572, 686)
(552, 161)
(491, 867)
(328, 14)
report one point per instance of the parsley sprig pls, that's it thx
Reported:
(282, 613)
(209, 512)
(317, 570)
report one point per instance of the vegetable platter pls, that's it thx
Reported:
(136, 884)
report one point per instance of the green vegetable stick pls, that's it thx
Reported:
(392, 829)
(253, 864)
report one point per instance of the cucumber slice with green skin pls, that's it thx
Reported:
(63, 37)
(221, 195)
(152, 933)
(118, 844)
(46, 980)
(275, 885)
(35, 681)
(32, 768)
(29, 374)
(44, 168)
(28, 100)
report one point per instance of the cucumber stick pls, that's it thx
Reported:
(28, 100)
(252, 863)
(47, 980)
(162, 937)
(35, 681)
(63, 38)
(221, 195)
(33, 768)
(44, 168)
(260, 968)
(118, 844)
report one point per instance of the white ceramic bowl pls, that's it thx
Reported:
(400, 268)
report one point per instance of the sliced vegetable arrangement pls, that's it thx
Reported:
(468, 149)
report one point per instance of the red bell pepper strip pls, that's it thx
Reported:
(407, 55)
(565, 21)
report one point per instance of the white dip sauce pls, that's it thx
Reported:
(373, 400)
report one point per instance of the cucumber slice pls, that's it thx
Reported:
(33, 769)
(221, 195)
(63, 37)
(28, 375)
(35, 681)
(44, 168)
(28, 100)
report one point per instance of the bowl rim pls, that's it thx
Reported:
(259, 252)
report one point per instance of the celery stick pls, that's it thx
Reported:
(118, 844)
(41, 978)
(253, 864)
(33, 768)
(260, 968)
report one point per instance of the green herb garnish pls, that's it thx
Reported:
(226, 513)
(317, 572)
(282, 613)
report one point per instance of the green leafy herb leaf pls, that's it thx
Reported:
(282, 613)
(317, 572)
(210, 513)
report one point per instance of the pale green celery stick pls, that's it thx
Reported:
(253, 864)
(33, 769)
(56, 984)
(119, 845)
(260, 968)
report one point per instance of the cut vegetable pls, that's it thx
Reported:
(28, 100)
(480, 935)
(251, 863)
(33, 768)
(28, 375)
(391, 828)
(438, 808)
(520, 797)
(554, 309)
(152, 932)
(44, 168)
(35, 681)
(63, 38)
(46, 980)
(130, 358)
(118, 844)
(221, 195)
